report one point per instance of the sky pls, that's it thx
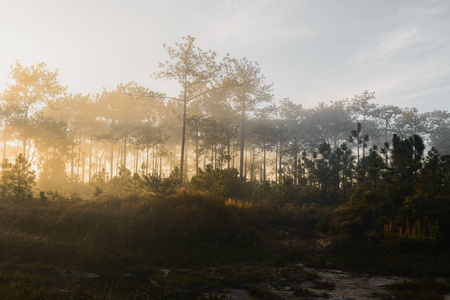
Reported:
(312, 50)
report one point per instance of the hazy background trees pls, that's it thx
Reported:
(225, 117)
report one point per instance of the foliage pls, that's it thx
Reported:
(53, 175)
(222, 183)
(17, 180)
(195, 71)
(31, 87)
(303, 174)
(162, 186)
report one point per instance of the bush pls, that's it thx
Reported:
(17, 180)
(221, 183)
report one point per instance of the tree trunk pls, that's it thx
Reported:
(252, 165)
(146, 159)
(100, 163)
(90, 159)
(386, 131)
(187, 166)
(5, 138)
(228, 152)
(296, 166)
(215, 156)
(205, 155)
(161, 166)
(25, 128)
(136, 161)
(119, 160)
(111, 164)
(83, 168)
(241, 163)
(264, 162)
(234, 149)
(154, 161)
(125, 150)
(276, 164)
(279, 177)
(78, 162)
(183, 135)
(196, 154)
(212, 157)
(245, 164)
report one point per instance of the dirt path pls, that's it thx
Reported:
(355, 286)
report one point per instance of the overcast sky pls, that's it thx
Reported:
(312, 51)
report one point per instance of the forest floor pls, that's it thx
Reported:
(289, 273)
(127, 249)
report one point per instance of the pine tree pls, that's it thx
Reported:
(17, 180)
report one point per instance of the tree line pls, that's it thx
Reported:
(224, 117)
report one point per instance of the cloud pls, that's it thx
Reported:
(410, 63)
(263, 21)
(387, 46)
(399, 40)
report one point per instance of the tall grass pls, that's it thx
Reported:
(107, 233)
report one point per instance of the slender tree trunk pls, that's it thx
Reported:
(187, 165)
(119, 160)
(245, 164)
(153, 161)
(228, 152)
(5, 139)
(83, 169)
(146, 159)
(358, 150)
(25, 129)
(156, 163)
(233, 156)
(212, 157)
(241, 162)
(125, 150)
(111, 164)
(386, 131)
(90, 159)
(264, 162)
(276, 164)
(279, 161)
(160, 165)
(261, 162)
(196, 154)
(100, 163)
(296, 166)
(78, 161)
(72, 160)
(94, 167)
(205, 155)
(183, 135)
(215, 156)
(252, 165)
(363, 134)
(136, 161)
(343, 183)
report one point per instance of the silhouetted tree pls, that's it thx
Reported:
(196, 71)
(250, 90)
(17, 180)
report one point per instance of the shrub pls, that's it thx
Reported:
(161, 186)
(221, 183)
(17, 180)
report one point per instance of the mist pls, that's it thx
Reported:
(217, 188)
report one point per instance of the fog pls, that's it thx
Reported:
(217, 188)
(224, 116)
